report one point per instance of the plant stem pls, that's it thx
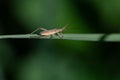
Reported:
(81, 37)
(17, 36)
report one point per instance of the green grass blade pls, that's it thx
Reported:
(80, 37)
(83, 37)
(17, 36)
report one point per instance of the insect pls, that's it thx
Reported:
(51, 32)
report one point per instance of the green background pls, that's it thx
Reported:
(34, 59)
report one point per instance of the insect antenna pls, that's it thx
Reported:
(65, 27)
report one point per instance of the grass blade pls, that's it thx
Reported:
(81, 37)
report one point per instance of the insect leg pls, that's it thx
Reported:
(60, 35)
(43, 29)
(38, 29)
(35, 30)
(51, 36)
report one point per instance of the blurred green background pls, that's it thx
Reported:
(34, 59)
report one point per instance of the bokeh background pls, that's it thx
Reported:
(35, 59)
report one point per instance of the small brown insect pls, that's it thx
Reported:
(50, 32)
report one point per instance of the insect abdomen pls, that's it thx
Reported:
(50, 32)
